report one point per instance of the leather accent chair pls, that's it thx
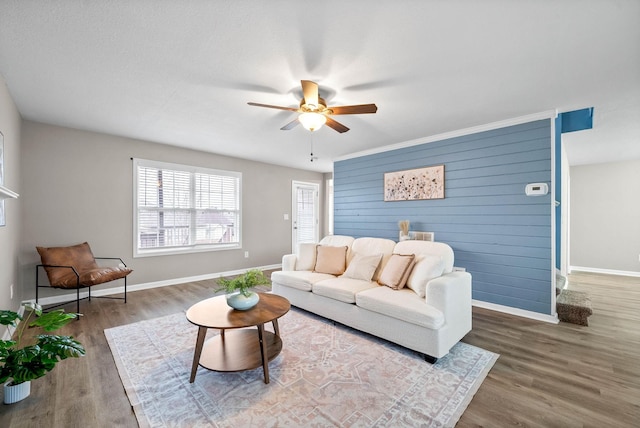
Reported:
(75, 267)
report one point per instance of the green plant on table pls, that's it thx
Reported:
(242, 283)
(22, 363)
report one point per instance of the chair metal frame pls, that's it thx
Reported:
(79, 286)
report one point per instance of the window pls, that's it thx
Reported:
(179, 209)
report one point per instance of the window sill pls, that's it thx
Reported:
(155, 252)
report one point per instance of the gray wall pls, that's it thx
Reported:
(77, 186)
(605, 216)
(10, 234)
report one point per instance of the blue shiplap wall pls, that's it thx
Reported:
(500, 235)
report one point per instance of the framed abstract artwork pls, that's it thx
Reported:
(414, 184)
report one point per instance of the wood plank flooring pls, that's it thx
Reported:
(547, 375)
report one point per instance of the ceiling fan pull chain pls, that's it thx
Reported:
(311, 138)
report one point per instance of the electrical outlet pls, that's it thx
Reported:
(11, 291)
(246, 254)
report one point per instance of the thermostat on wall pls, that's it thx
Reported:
(536, 189)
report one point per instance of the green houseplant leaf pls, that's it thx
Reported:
(242, 283)
(24, 363)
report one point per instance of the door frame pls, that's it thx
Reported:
(295, 184)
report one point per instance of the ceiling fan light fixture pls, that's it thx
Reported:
(312, 121)
(313, 110)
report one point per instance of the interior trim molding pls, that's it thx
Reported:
(605, 271)
(553, 319)
(156, 284)
(549, 114)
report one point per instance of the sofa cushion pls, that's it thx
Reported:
(401, 304)
(337, 240)
(306, 256)
(362, 267)
(429, 248)
(426, 268)
(301, 280)
(331, 260)
(341, 288)
(396, 271)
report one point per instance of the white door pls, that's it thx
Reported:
(304, 220)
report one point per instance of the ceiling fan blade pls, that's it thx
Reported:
(270, 106)
(357, 109)
(290, 125)
(337, 126)
(310, 91)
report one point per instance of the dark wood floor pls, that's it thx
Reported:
(547, 375)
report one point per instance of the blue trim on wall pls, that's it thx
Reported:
(577, 120)
(500, 235)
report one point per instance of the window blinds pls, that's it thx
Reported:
(182, 207)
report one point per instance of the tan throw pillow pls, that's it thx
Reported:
(331, 260)
(396, 271)
(362, 267)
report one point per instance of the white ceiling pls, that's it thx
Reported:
(181, 72)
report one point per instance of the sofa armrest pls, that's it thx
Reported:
(451, 294)
(289, 262)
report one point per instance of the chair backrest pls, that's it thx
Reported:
(79, 256)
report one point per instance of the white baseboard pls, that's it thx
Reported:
(145, 286)
(604, 271)
(515, 311)
(156, 284)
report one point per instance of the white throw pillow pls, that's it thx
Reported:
(426, 268)
(306, 256)
(362, 267)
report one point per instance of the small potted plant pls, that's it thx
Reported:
(238, 289)
(20, 364)
(403, 225)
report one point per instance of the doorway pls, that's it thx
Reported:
(305, 213)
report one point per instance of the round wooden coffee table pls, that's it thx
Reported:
(240, 349)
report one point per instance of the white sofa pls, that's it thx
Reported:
(432, 324)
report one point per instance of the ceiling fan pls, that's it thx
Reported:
(314, 111)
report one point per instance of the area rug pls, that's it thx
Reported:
(327, 375)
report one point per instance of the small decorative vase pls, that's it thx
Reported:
(15, 393)
(239, 301)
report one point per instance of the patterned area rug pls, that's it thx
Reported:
(326, 376)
